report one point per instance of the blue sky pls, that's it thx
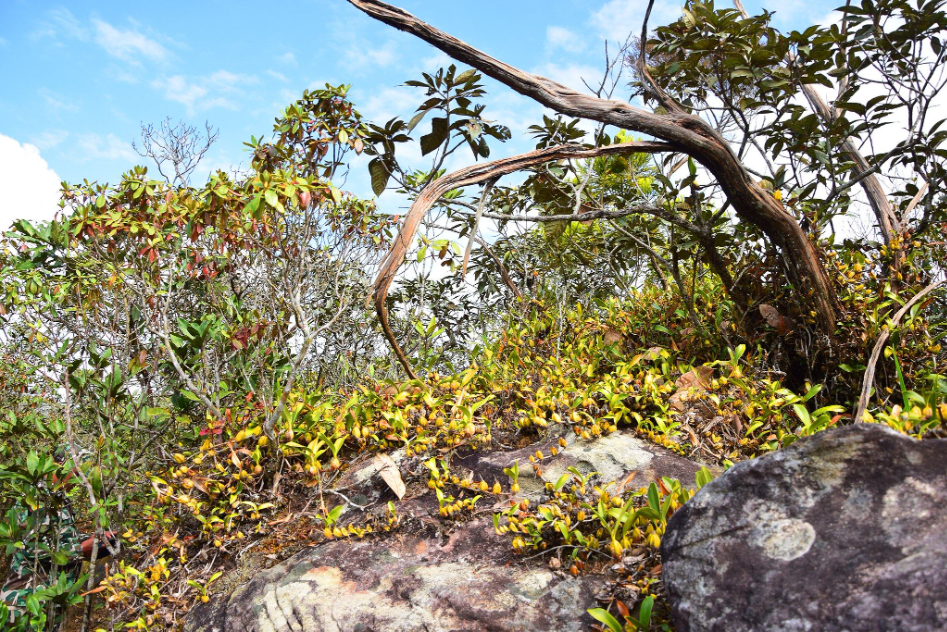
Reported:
(79, 78)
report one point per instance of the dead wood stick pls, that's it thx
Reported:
(879, 345)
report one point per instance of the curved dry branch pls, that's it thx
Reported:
(689, 133)
(641, 65)
(880, 344)
(476, 174)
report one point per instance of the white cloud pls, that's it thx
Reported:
(277, 75)
(127, 45)
(358, 58)
(110, 147)
(387, 103)
(49, 138)
(287, 58)
(558, 37)
(218, 90)
(618, 19)
(29, 188)
(130, 45)
(571, 75)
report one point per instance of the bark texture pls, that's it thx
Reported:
(689, 133)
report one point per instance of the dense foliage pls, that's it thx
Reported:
(213, 345)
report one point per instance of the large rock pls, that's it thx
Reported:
(467, 581)
(433, 574)
(845, 530)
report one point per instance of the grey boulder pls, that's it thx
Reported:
(845, 530)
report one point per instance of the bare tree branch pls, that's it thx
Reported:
(468, 176)
(476, 226)
(687, 132)
(879, 345)
(887, 219)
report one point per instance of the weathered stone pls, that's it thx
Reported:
(469, 581)
(615, 457)
(845, 530)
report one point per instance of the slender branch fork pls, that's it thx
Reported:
(468, 176)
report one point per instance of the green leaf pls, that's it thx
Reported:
(654, 499)
(600, 614)
(483, 148)
(703, 477)
(561, 482)
(465, 76)
(803, 414)
(415, 120)
(812, 392)
(644, 617)
(379, 174)
(335, 513)
(253, 205)
(271, 198)
(439, 132)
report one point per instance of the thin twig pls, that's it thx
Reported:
(487, 186)
(879, 345)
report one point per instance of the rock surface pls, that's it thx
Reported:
(433, 574)
(845, 530)
(405, 583)
(615, 457)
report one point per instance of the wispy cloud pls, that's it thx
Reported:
(60, 23)
(109, 147)
(618, 19)
(359, 58)
(127, 44)
(217, 90)
(277, 75)
(573, 75)
(3, 43)
(435, 61)
(558, 37)
(130, 44)
(287, 58)
(58, 102)
(49, 138)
